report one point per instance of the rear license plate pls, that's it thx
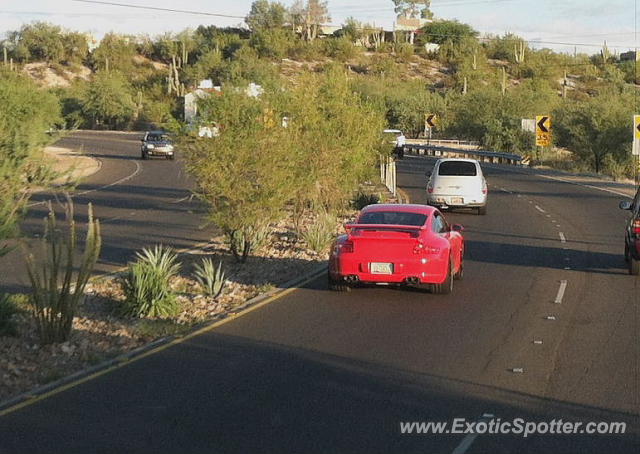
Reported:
(457, 200)
(382, 268)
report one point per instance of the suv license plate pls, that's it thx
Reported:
(457, 200)
(382, 268)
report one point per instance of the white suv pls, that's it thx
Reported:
(457, 183)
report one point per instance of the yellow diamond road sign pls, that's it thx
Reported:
(430, 121)
(543, 131)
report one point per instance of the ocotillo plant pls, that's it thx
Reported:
(57, 288)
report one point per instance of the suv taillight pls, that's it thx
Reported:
(635, 227)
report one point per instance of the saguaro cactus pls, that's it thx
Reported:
(519, 52)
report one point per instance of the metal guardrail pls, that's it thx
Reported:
(481, 155)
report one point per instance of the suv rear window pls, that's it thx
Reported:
(457, 168)
(392, 217)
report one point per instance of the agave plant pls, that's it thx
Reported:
(146, 284)
(210, 278)
(320, 235)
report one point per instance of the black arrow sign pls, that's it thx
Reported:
(541, 124)
(430, 121)
(638, 127)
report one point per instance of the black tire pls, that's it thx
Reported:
(482, 210)
(447, 286)
(172, 157)
(634, 266)
(627, 257)
(337, 286)
(144, 155)
(460, 274)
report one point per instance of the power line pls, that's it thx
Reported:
(155, 8)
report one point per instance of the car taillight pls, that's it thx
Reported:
(635, 227)
(345, 247)
(430, 189)
(421, 248)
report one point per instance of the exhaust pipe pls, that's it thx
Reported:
(351, 279)
(412, 280)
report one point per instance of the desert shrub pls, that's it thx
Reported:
(146, 284)
(404, 51)
(341, 49)
(363, 199)
(272, 42)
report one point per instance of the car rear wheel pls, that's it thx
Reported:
(460, 274)
(337, 286)
(634, 266)
(144, 155)
(447, 286)
(482, 210)
(626, 253)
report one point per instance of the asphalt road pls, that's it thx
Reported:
(319, 372)
(139, 204)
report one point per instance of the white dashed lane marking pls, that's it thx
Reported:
(561, 290)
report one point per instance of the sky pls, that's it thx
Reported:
(563, 25)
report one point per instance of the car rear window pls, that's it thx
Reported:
(392, 217)
(458, 169)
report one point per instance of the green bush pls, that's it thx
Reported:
(146, 285)
(341, 49)
(210, 278)
(57, 288)
(363, 199)
(404, 51)
(8, 310)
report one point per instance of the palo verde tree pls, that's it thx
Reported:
(108, 100)
(256, 168)
(413, 8)
(26, 113)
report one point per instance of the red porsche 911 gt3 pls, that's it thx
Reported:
(398, 244)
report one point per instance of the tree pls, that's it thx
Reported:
(266, 15)
(27, 112)
(441, 31)
(108, 100)
(314, 14)
(115, 52)
(411, 8)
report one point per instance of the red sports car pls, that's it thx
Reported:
(398, 244)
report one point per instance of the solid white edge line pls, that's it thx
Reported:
(561, 290)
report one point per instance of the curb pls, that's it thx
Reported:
(41, 392)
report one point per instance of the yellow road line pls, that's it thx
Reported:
(231, 317)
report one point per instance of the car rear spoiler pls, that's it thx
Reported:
(350, 227)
